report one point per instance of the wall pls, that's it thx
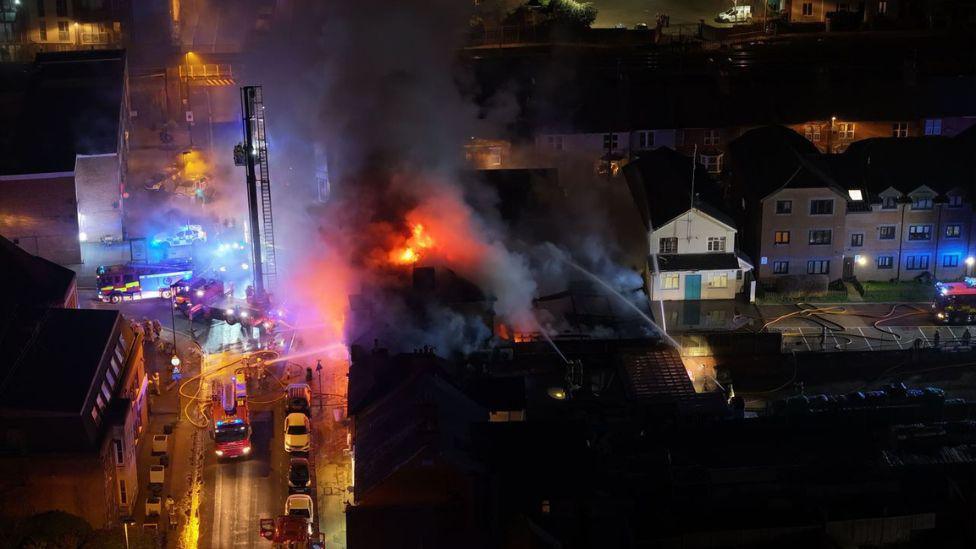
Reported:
(657, 293)
(98, 181)
(70, 482)
(693, 236)
(40, 214)
(830, 139)
(799, 223)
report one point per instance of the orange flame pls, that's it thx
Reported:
(410, 253)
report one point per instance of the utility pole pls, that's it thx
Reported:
(318, 370)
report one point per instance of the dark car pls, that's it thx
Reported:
(299, 481)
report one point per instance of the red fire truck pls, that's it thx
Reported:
(135, 281)
(955, 302)
(290, 532)
(231, 425)
(206, 298)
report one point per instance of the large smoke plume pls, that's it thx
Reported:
(378, 84)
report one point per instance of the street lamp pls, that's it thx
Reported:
(175, 360)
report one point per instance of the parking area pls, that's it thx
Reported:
(868, 327)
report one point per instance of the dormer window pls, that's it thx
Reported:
(955, 201)
(922, 203)
(889, 203)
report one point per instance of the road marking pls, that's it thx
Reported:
(805, 342)
(836, 343)
(923, 335)
(870, 348)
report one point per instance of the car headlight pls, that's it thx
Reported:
(940, 315)
(219, 452)
(247, 449)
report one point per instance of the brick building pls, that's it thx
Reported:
(63, 168)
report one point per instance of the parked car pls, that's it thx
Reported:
(187, 235)
(298, 433)
(299, 399)
(299, 478)
(735, 14)
(300, 505)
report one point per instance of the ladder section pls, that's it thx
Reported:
(263, 181)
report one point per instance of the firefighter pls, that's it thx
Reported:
(966, 337)
(936, 339)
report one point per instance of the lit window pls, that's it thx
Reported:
(886, 232)
(855, 194)
(953, 231)
(119, 453)
(885, 261)
(857, 240)
(42, 30)
(889, 203)
(917, 262)
(950, 260)
(919, 232)
(882, 7)
(922, 203)
(808, 8)
(670, 281)
(812, 132)
(63, 31)
(719, 281)
(711, 162)
(899, 129)
(845, 130)
(711, 137)
(781, 267)
(933, 126)
(716, 243)
(781, 237)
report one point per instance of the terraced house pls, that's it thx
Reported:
(886, 209)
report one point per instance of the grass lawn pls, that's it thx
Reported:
(774, 298)
(898, 291)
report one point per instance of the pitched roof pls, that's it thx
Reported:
(64, 346)
(71, 105)
(697, 262)
(660, 183)
(767, 157)
(39, 282)
(941, 163)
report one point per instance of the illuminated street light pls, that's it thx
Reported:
(861, 260)
(970, 260)
(557, 393)
(82, 237)
(175, 361)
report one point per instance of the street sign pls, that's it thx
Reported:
(189, 116)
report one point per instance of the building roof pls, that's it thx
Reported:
(660, 183)
(764, 158)
(697, 262)
(655, 373)
(49, 358)
(71, 104)
(38, 282)
(941, 163)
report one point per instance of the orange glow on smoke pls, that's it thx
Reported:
(410, 253)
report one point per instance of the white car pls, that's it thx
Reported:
(186, 236)
(298, 433)
(300, 505)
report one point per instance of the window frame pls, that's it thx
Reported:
(710, 137)
(788, 207)
(811, 241)
(818, 266)
(717, 240)
(893, 201)
(958, 231)
(953, 257)
(821, 201)
(954, 201)
(922, 203)
(882, 229)
(899, 130)
(885, 262)
(645, 140)
(667, 285)
(778, 240)
(857, 240)
(806, 9)
(916, 263)
(718, 280)
(670, 240)
(915, 233)
(933, 126)
(712, 162)
(777, 267)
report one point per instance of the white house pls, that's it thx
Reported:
(695, 257)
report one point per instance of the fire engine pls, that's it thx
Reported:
(135, 281)
(206, 298)
(231, 426)
(290, 532)
(955, 302)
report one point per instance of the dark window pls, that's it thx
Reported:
(818, 266)
(610, 141)
(119, 454)
(889, 203)
(40, 8)
(950, 260)
(919, 232)
(886, 232)
(820, 236)
(123, 496)
(955, 201)
(42, 30)
(669, 245)
(808, 8)
(781, 237)
(917, 262)
(885, 262)
(62, 8)
(822, 207)
(784, 206)
(953, 231)
(645, 139)
(857, 240)
(781, 267)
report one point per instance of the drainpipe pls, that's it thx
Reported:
(939, 201)
(904, 201)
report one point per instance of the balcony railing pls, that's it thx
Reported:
(207, 70)
(96, 37)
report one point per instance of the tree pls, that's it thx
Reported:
(53, 530)
(573, 11)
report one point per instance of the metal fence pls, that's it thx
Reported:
(206, 70)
